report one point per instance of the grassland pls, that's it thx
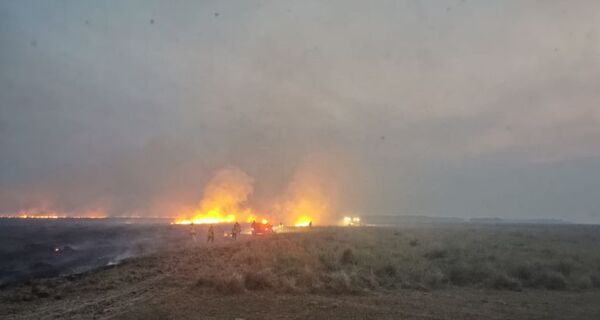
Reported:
(426, 272)
(355, 260)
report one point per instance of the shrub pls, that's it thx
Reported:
(436, 253)
(564, 267)
(286, 261)
(369, 280)
(388, 271)
(328, 261)
(287, 285)
(340, 283)
(257, 281)
(39, 291)
(204, 282)
(435, 278)
(551, 280)
(385, 276)
(480, 272)
(463, 273)
(347, 257)
(523, 272)
(581, 281)
(595, 280)
(306, 278)
(504, 282)
(459, 275)
(230, 285)
(20, 296)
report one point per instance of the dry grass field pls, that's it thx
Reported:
(417, 272)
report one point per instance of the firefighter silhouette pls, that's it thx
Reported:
(211, 234)
(193, 231)
(236, 230)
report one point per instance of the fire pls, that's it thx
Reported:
(24, 216)
(37, 214)
(303, 221)
(211, 217)
(351, 221)
(303, 209)
(223, 199)
(311, 195)
(252, 218)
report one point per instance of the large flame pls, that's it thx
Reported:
(44, 214)
(210, 217)
(311, 198)
(303, 221)
(223, 199)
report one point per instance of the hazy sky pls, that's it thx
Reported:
(446, 108)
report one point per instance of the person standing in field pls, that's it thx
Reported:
(193, 231)
(236, 230)
(211, 234)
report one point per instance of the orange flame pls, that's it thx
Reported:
(303, 221)
(211, 217)
(43, 214)
(222, 200)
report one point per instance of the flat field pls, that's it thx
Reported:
(424, 271)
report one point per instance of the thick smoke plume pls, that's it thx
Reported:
(224, 198)
(313, 193)
(227, 191)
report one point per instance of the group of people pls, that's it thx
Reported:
(237, 229)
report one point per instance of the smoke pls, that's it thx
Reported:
(314, 192)
(101, 110)
(227, 192)
(318, 191)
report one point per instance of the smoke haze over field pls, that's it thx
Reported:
(449, 108)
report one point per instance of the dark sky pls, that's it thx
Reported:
(445, 108)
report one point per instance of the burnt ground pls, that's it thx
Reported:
(42, 248)
(289, 276)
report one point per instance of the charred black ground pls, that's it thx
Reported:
(41, 248)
